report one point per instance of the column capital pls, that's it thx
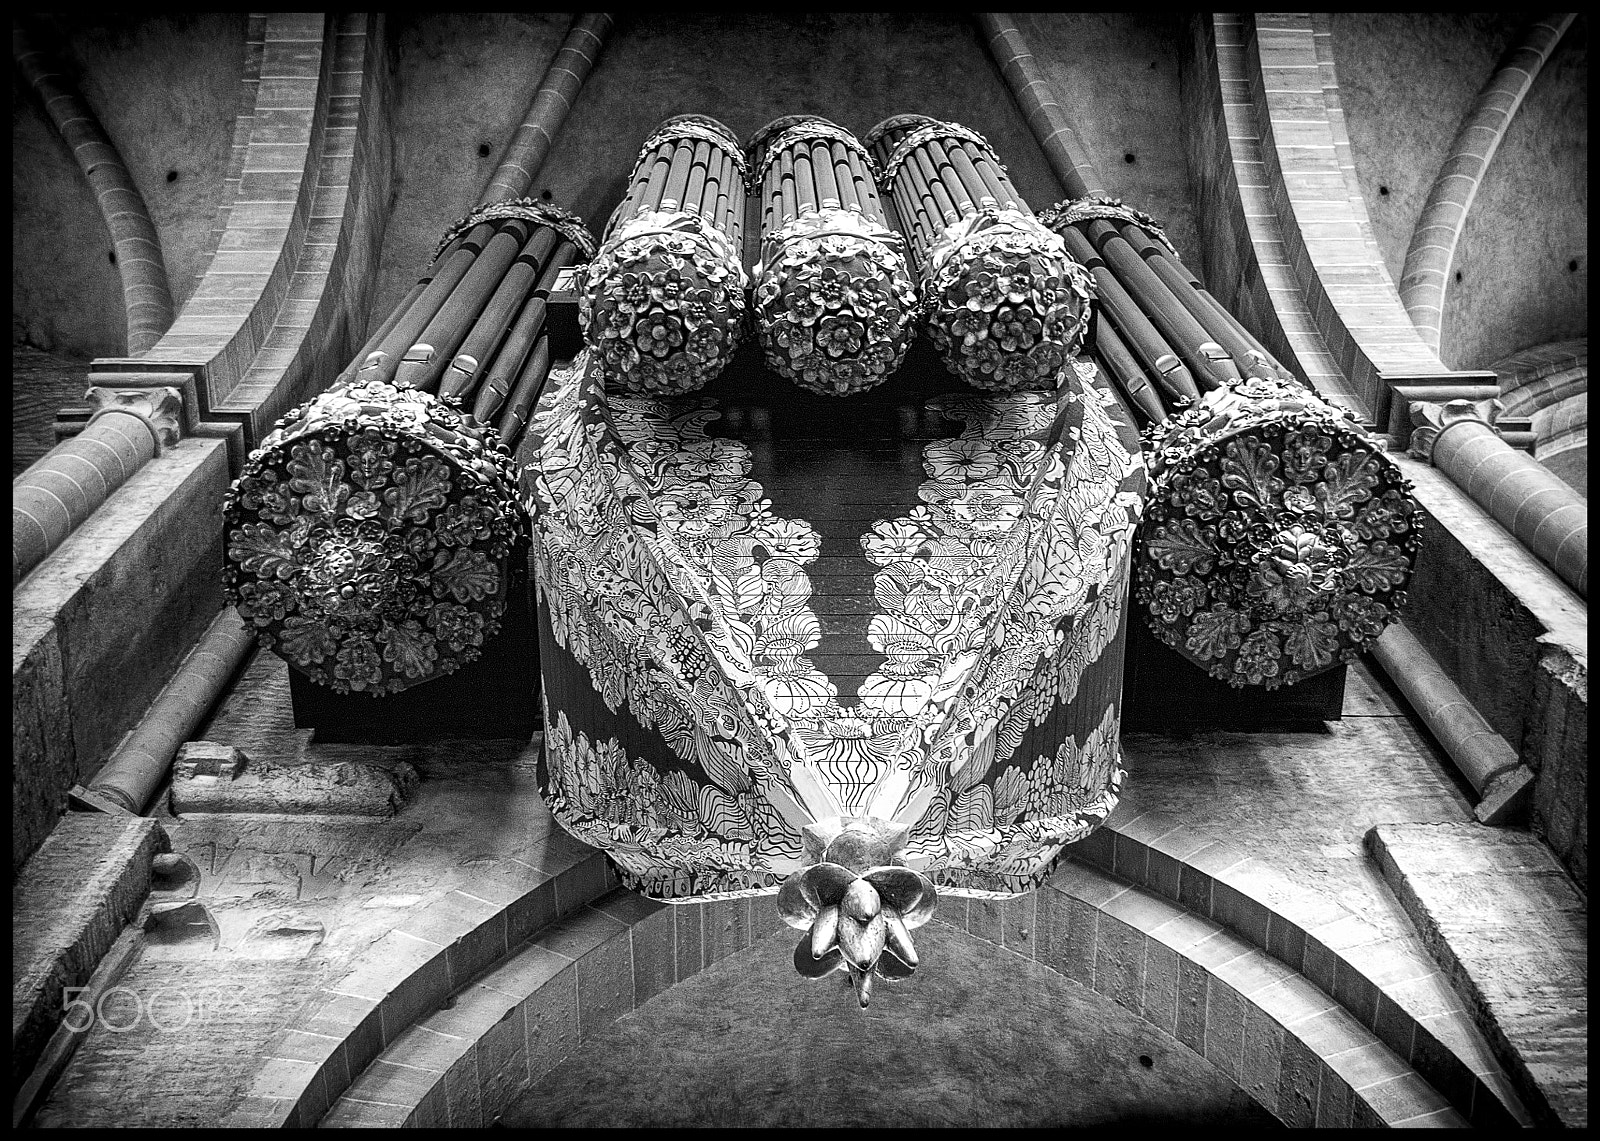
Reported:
(1432, 419)
(161, 409)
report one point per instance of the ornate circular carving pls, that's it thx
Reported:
(662, 303)
(834, 302)
(1278, 537)
(1007, 305)
(369, 538)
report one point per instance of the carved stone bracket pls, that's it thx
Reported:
(1432, 420)
(160, 410)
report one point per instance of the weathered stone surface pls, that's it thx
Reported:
(98, 627)
(74, 897)
(1502, 919)
(207, 777)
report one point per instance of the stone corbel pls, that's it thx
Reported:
(159, 409)
(1432, 420)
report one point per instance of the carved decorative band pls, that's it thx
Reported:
(928, 132)
(1278, 537)
(1110, 209)
(369, 538)
(662, 304)
(781, 134)
(694, 128)
(1007, 305)
(563, 222)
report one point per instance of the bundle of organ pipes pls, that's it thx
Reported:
(1006, 303)
(1278, 537)
(472, 329)
(662, 303)
(835, 305)
(371, 536)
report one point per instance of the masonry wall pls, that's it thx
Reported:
(1406, 80)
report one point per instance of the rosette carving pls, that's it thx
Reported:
(834, 302)
(1278, 537)
(1007, 305)
(368, 538)
(662, 303)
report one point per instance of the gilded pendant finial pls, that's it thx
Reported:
(856, 905)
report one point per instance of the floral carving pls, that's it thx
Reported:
(662, 303)
(368, 538)
(1006, 303)
(834, 302)
(1278, 538)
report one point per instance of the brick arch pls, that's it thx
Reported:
(1291, 996)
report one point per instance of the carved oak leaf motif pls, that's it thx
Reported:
(1312, 645)
(1184, 547)
(307, 641)
(409, 648)
(1216, 631)
(1346, 482)
(1377, 567)
(468, 575)
(263, 550)
(419, 488)
(1249, 470)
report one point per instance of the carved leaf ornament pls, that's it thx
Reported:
(1278, 538)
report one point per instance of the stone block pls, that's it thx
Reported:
(985, 920)
(208, 777)
(1262, 1058)
(1298, 1073)
(688, 921)
(727, 928)
(74, 897)
(605, 983)
(1019, 917)
(1160, 999)
(552, 1022)
(1192, 981)
(1224, 1032)
(655, 954)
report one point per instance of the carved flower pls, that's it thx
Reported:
(981, 291)
(265, 602)
(971, 325)
(657, 333)
(631, 293)
(1015, 327)
(839, 336)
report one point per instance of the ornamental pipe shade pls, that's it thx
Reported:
(662, 304)
(369, 538)
(834, 301)
(1278, 538)
(1006, 303)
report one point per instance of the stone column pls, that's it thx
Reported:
(128, 428)
(1548, 517)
